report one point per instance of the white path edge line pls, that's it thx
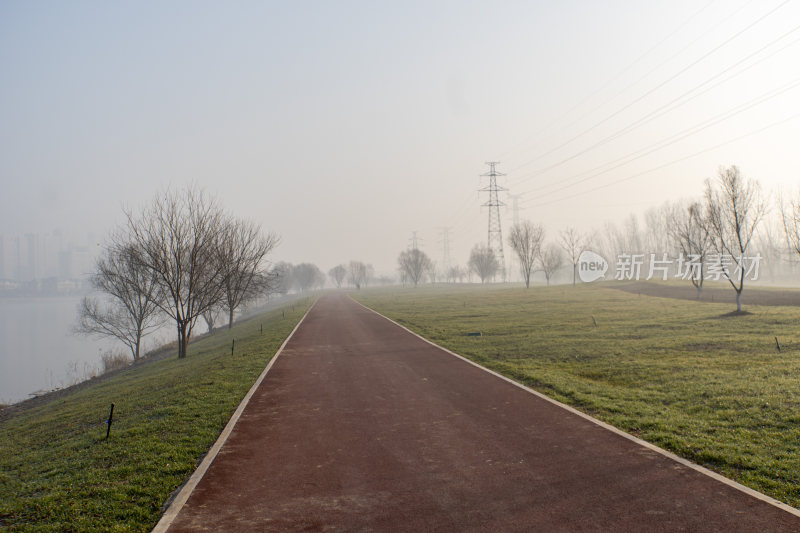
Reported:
(183, 496)
(640, 442)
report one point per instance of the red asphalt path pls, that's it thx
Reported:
(363, 426)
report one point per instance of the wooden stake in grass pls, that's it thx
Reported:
(233, 344)
(594, 321)
(777, 344)
(261, 329)
(109, 421)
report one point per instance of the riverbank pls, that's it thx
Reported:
(58, 471)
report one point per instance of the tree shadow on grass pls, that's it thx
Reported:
(733, 314)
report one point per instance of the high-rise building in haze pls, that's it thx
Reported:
(3, 256)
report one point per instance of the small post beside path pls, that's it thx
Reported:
(109, 421)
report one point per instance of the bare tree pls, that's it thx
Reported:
(526, 240)
(338, 274)
(771, 245)
(551, 261)
(790, 215)
(455, 274)
(305, 276)
(734, 208)
(357, 273)
(657, 223)
(690, 231)
(177, 238)
(483, 262)
(414, 264)
(281, 278)
(210, 317)
(131, 311)
(320, 281)
(369, 274)
(572, 242)
(433, 272)
(243, 250)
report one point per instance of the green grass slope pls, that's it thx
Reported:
(57, 471)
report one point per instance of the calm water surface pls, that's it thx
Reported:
(38, 350)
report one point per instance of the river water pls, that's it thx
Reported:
(38, 351)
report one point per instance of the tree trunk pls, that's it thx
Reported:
(136, 349)
(574, 272)
(182, 340)
(738, 300)
(230, 318)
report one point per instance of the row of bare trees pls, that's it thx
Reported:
(356, 273)
(723, 224)
(731, 221)
(178, 259)
(527, 241)
(300, 278)
(415, 266)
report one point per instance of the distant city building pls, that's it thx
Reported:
(34, 257)
(3, 256)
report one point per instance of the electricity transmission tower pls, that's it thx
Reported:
(445, 241)
(495, 241)
(415, 241)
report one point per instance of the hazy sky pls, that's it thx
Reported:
(345, 126)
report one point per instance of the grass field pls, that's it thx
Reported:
(57, 471)
(687, 376)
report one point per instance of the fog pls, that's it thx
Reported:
(344, 127)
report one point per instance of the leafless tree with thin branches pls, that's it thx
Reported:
(210, 317)
(483, 262)
(177, 238)
(280, 277)
(455, 274)
(337, 274)
(790, 216)
(243, 249)
(734, 207)
(689, 229)
(357, 273)
(414, 264)
(551, 260)
(305, 276)
(572, 242)
(526, 240)
(131, 291)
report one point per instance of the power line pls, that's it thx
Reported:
(670, 163)
(675, 102)
(515, 207)
(611, 79)
(668, 141)
(658, 86)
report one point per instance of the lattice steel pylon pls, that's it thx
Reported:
(445, 242)
(495, 239)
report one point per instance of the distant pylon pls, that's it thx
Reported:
(445, 241)
(495, 240)
(415, 241)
